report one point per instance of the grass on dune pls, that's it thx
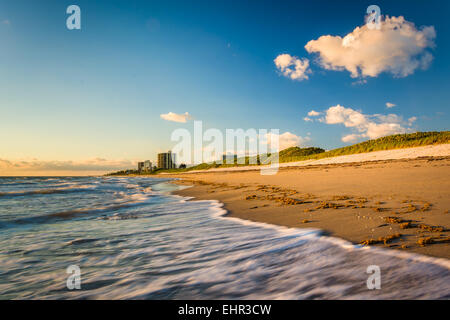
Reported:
(292, 154)
(397, 141)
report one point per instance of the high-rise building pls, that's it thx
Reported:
(166, 160)
(147, 165)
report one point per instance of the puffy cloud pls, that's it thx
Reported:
(176, 117)
(378, 130)
(397, 47)
(412, 120)
(40, 167)
(286, 140)
(347, 116)
(351, 137)
(390, 105)
(366, 126)
(293, 67)
(313, 113)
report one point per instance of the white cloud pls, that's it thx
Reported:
(378, 130)
(366, 126)
(293, 67)
(176, 117)
(347, 116)
(390, 105)
(308, 119)
(313, 113)
(412, 120)
(286, 140)
(351, 137)
(398, 47)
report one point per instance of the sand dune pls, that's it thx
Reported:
(440, 150)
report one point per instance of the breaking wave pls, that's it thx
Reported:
(132, 239)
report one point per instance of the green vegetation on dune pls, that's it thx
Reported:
(299, 152)
(397, 141)
(292, 154)
(295, 153)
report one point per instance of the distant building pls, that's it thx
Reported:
(147, 165)
(166, 160)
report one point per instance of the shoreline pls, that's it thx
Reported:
(443, 262)
(401, 204)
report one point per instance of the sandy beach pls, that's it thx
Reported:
(395, 203)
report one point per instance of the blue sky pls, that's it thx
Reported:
(68, 97)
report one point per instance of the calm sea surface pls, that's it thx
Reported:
(132, 239)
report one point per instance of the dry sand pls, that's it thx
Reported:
(364, 201)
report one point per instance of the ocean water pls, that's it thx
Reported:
(132, 239)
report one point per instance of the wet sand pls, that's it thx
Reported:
(398, 204)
